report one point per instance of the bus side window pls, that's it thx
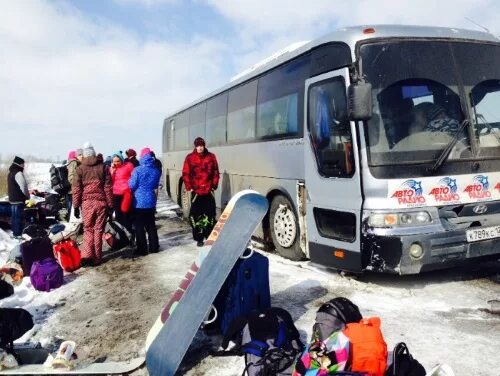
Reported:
(330, 128)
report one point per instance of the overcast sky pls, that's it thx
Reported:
(109, 71)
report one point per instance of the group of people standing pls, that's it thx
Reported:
(128, 189)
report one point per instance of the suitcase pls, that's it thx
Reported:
(36, 249)
(246, 289)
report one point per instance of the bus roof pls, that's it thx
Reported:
(349, 35)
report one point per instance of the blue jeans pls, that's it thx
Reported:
(17, 218)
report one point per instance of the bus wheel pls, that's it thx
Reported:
(284, 229)
(185, 202)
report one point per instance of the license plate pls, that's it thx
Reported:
(483, 233)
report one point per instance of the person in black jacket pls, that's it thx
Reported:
(17, 188)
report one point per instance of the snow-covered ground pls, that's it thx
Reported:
(447, 316)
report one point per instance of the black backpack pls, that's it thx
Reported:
(59, 179)
(14, 322)
(403, 364)
(333, 316)
(268, 339)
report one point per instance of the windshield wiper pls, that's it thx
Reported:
(447, 150)
(488, 125)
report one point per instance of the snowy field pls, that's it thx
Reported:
(450, 316)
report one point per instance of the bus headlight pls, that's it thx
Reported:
(399, 219)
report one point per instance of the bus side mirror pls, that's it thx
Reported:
(360, 101)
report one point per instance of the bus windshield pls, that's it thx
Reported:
(423, 90)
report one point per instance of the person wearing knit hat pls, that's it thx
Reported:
(17, 188)
(88, 150)
(93, 193)
(132, 157)
(145, 151)
(200, 175)
(120, 174)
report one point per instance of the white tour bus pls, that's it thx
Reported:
(377, 147)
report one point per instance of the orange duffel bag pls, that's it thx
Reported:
(368, 348)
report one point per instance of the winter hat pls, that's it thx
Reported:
(88, 150)
(199, 141)
(18, 160)
(79, 152)
(71, 155)
(130, 153)
(145, 151)
(118, 154)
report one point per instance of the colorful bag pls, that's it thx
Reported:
(68, 255)
(46, 275)
(324, 357)
(368, 348)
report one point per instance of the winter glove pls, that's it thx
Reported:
(77, 212)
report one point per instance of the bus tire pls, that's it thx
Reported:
(284, 229)
(185, 201)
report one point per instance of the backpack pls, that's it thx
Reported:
(403, 364)
(246, 289)
(329, 349)
(36, 249)
(268, 339)
(46, 275)
(368, 348)
(333, 316)
(59, 179)
(68, 255)
(115, 235)
(14, 322)
(35, 231)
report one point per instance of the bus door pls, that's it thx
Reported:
(332, 176)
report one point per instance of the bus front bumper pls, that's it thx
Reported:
(386, 253)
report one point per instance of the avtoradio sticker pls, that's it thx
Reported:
(479, 189)
(409, 193)
(446, 191)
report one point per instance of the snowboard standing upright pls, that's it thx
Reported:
(192, 301)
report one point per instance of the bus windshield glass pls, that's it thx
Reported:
(422, 91)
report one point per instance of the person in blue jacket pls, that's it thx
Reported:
(143, 183)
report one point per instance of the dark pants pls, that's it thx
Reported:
(144, 221)
(202, 215)
(125, 219)
(17, 218)
(69, 202)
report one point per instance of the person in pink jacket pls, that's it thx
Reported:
(120, 175)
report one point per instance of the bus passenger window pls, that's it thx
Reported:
(330, 128)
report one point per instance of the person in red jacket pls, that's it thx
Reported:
(201, 177)
(121, 171)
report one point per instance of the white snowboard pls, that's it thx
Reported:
(106, 368)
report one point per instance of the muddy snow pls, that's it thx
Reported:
(450, 316)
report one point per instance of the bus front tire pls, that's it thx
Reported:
(284, 229)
